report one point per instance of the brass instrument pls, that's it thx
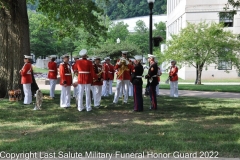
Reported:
(98, 74)
(123, 68)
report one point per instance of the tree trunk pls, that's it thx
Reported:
(14, 43)
(199, 75)
(196, 73)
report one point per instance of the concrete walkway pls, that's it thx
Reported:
(204, 94)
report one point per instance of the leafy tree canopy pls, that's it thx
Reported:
(67, 16)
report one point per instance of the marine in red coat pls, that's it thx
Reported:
(65, 74)
(85, 70)
(65, 82)
(26, 80)
(86, 75)
(52, 69)
(173, 76)
(26, 73)
(52, 75)
(97, 83)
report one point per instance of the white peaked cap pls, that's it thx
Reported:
(52, 56)
(97, 58)
(65, 55)
(103, 61)
(132, 59)
(83, 52)
(151, 56)
(107, 58)
(123, 59)
(138, 57)
(124, 52)
(28, 57)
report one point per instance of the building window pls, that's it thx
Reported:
(224, 65)
(226, 18)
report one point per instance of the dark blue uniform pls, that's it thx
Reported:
(152, 82)
(137, 87)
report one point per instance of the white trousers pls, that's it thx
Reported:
(173, 88)
(130, 93)
(110, 87)
(97, 91)
(107, 88)
(53, 83)
(75, 91)
(81, 88)
(157, 90)
(65, 98)
(122, 84)
(28, 93)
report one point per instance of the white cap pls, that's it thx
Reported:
(52, 56)
(124, 52)
(28, 57)
(138, 57)
(132, 59)
(151, 56)
(103, 61)
(83, 52)
(97, 58)
(123, 59)
(107, 58)
(65, 55)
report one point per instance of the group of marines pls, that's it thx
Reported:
(96, 77)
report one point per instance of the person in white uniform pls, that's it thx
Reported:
(52, 75)
(26, 79)
(65, 82)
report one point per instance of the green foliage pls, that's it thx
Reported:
(129, 8)
(67, 16)
(43, 41)
(140, 37)
(118, 30)
(202, 44)
(160, 30)
(114, 50)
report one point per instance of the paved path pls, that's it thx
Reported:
(188, 93)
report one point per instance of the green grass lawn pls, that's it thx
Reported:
(184, 124)
(212, 88)
(39, 70)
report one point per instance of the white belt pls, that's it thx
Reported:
(110, 72)
(68, 74)
(83, 72)
(139, 76)
(51, 70)
(154, 76)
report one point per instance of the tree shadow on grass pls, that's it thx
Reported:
(183, 124)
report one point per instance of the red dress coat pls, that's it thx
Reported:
(173, 73)
(74, 68)
(108, 73)
(126, 75)
(65, 74)
(86, 73)
(26, 73)
(52, 70)
(97, 70)
(111, 72)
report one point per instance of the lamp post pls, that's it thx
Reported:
(150, 3)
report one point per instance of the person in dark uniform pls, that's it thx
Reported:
(136, 79)
(152, 81)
